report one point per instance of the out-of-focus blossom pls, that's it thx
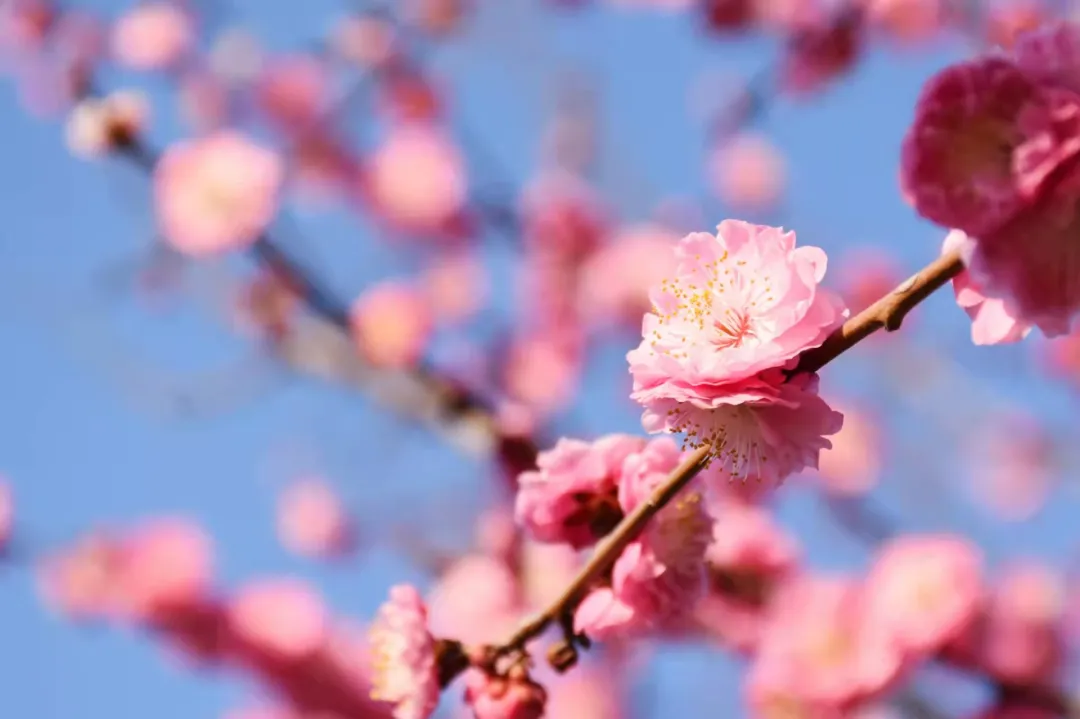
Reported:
(204, 101)
(729, 15)
(24, 26)
(742, 306)
(392, 323)
(312, 521)
(747, 560)
(1061, 357)
(818, 654)
(216, 194)
(515, 696)
(747, 172)
(475, 601)
(98, 126)
(541, 372)
(867, 276)
(615, 281)
(572, 496)
(152, 36)
(282, 617)
(820, 52)
(417, 179)
(907, 20)
(992, 319)
(563, 216)
(1006, 21)
(167, 566)
(590, 691)
(236, 57)
(405, 667)
(1013, 466)
(923, 592)
(292, 91)
(659, 575)
(456, 286)
(83, 581)
(546, 570)
(365, 40)
(407, 97)
(853, 464)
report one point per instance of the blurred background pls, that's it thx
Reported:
(498, 259)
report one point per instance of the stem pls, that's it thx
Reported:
(887, 313)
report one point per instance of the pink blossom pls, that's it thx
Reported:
(985, 140)
(817, 654)
(992, 319)
(748, 172)
(392, 323)
(661, 573)
(615, 280)
(84, 581)
(216, 194)
(405, 670)
(853, 463)
(563, 215)
(456, 286)
(821, 51)
(292, 90)
(475, 601)
(515, 696)
(924, 591)
(907, 20)
(1013, 466)
(546, 570)
(743, 305)
(1006, 22)
(417, 179)
(167, 566)
(541, 372)
(152, 36)
(284, 618)
(572, 496)
(312, 521)
(750, 555)
(590, 691)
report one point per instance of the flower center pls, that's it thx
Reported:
(731, 329)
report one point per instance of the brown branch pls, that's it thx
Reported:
(887, 313)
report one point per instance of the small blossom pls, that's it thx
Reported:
(475, 600)
(216, 194)
(284, 618)
(167, 566)
(924, 591)
(152, 36)
(98, 126)
(572, 496)
(515, 696)
(748, 172)
(661, 573)
(853, 463)
(743, 305)
(405, 669)
(992, 321)
(84, 581)
(392, 323)
(312, 521)
(292, 90)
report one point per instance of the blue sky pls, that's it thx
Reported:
(86, 439)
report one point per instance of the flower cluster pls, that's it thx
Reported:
(994, 152)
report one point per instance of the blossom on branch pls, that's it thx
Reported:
(742, 307)
(405, 666)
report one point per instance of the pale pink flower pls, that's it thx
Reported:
(853, 464)
(282, 617)
(292, 90)
(742, 307)
(312, 521)
(572, 496)
(748, 172)
(661, 573)
(515, 696)
(417, 178)
(167, 566)
(924, 591)
(589, 691)
(984, 142)
(152, 36)
(992, 319)
(614, 281)
(750, 555)
(541, 372)
(392, 323)
(403, 649)
(97, 126)
(216, 194)
(817, 654)
(475, 601)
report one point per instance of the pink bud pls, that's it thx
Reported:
(312, 521)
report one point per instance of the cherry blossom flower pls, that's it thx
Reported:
(312, 521)
(405, 669)
(392, 323)
(661, 573)
(748, 172)
(743, 305)
(816, 655)
(992, 321)
(152, 36)
(216, 194)
(515, 696)
(572, 496)
(853, 464)
(282, 617)
(475, 600)
(924, 591)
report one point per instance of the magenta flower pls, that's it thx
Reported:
(661, 572)
(405, 672)
(216, 194)
(743, 305)
(924, 591)
(993, 320)
(572, 496)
